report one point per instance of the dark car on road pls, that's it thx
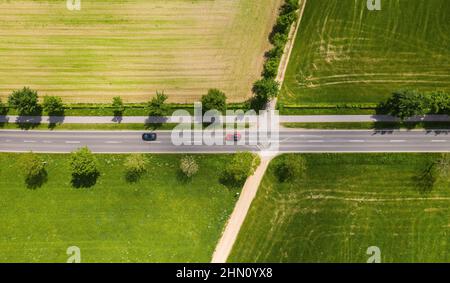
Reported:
(149, 136)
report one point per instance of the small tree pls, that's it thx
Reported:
(53, 105)
(214, 100)
(240, 168)
(290, 167)
(118, 106)
(34, 170)
(84, 168)
(157, 105)
(135, 166)
(188, 166)
(25, 101)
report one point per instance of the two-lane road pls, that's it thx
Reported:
(290, 141)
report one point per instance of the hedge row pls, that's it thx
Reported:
(408, 103)
(279, 37)
(267, 88)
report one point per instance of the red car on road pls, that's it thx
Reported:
(233, 137)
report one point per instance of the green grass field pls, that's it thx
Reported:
(159, 219)
(134, 47)
(345, 53)
(344, 204)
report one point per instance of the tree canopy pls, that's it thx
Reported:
(25, 101)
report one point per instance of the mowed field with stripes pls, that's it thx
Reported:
(134, 48)
(344, 204)
(345, 53)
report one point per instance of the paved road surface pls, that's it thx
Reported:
(290, 141)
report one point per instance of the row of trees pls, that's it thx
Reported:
(26, 102)
(408, 103)
(85, 168)
(267, 88)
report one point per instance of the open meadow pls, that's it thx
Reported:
(345, 204)
(161, 218)
(346, 54)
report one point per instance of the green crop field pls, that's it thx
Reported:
(345, 53)
(134, 47)
(162, 218)
(344, 204)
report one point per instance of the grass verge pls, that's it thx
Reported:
(161, 218)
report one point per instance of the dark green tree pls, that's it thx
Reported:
(84, 168)
(25, 101)
(290, 167)
(214, 100)
(405, 104)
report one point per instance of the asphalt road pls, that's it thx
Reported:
(290, 141)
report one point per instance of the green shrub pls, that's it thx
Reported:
(84, 168)
(188, 166)
(53, 105)
(290, 167)
(135, 166)
(271, 68)
(240, 168)
(408, 103)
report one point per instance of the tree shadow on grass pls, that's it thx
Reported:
(425, 180)
(37, 181)
(84, 181)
